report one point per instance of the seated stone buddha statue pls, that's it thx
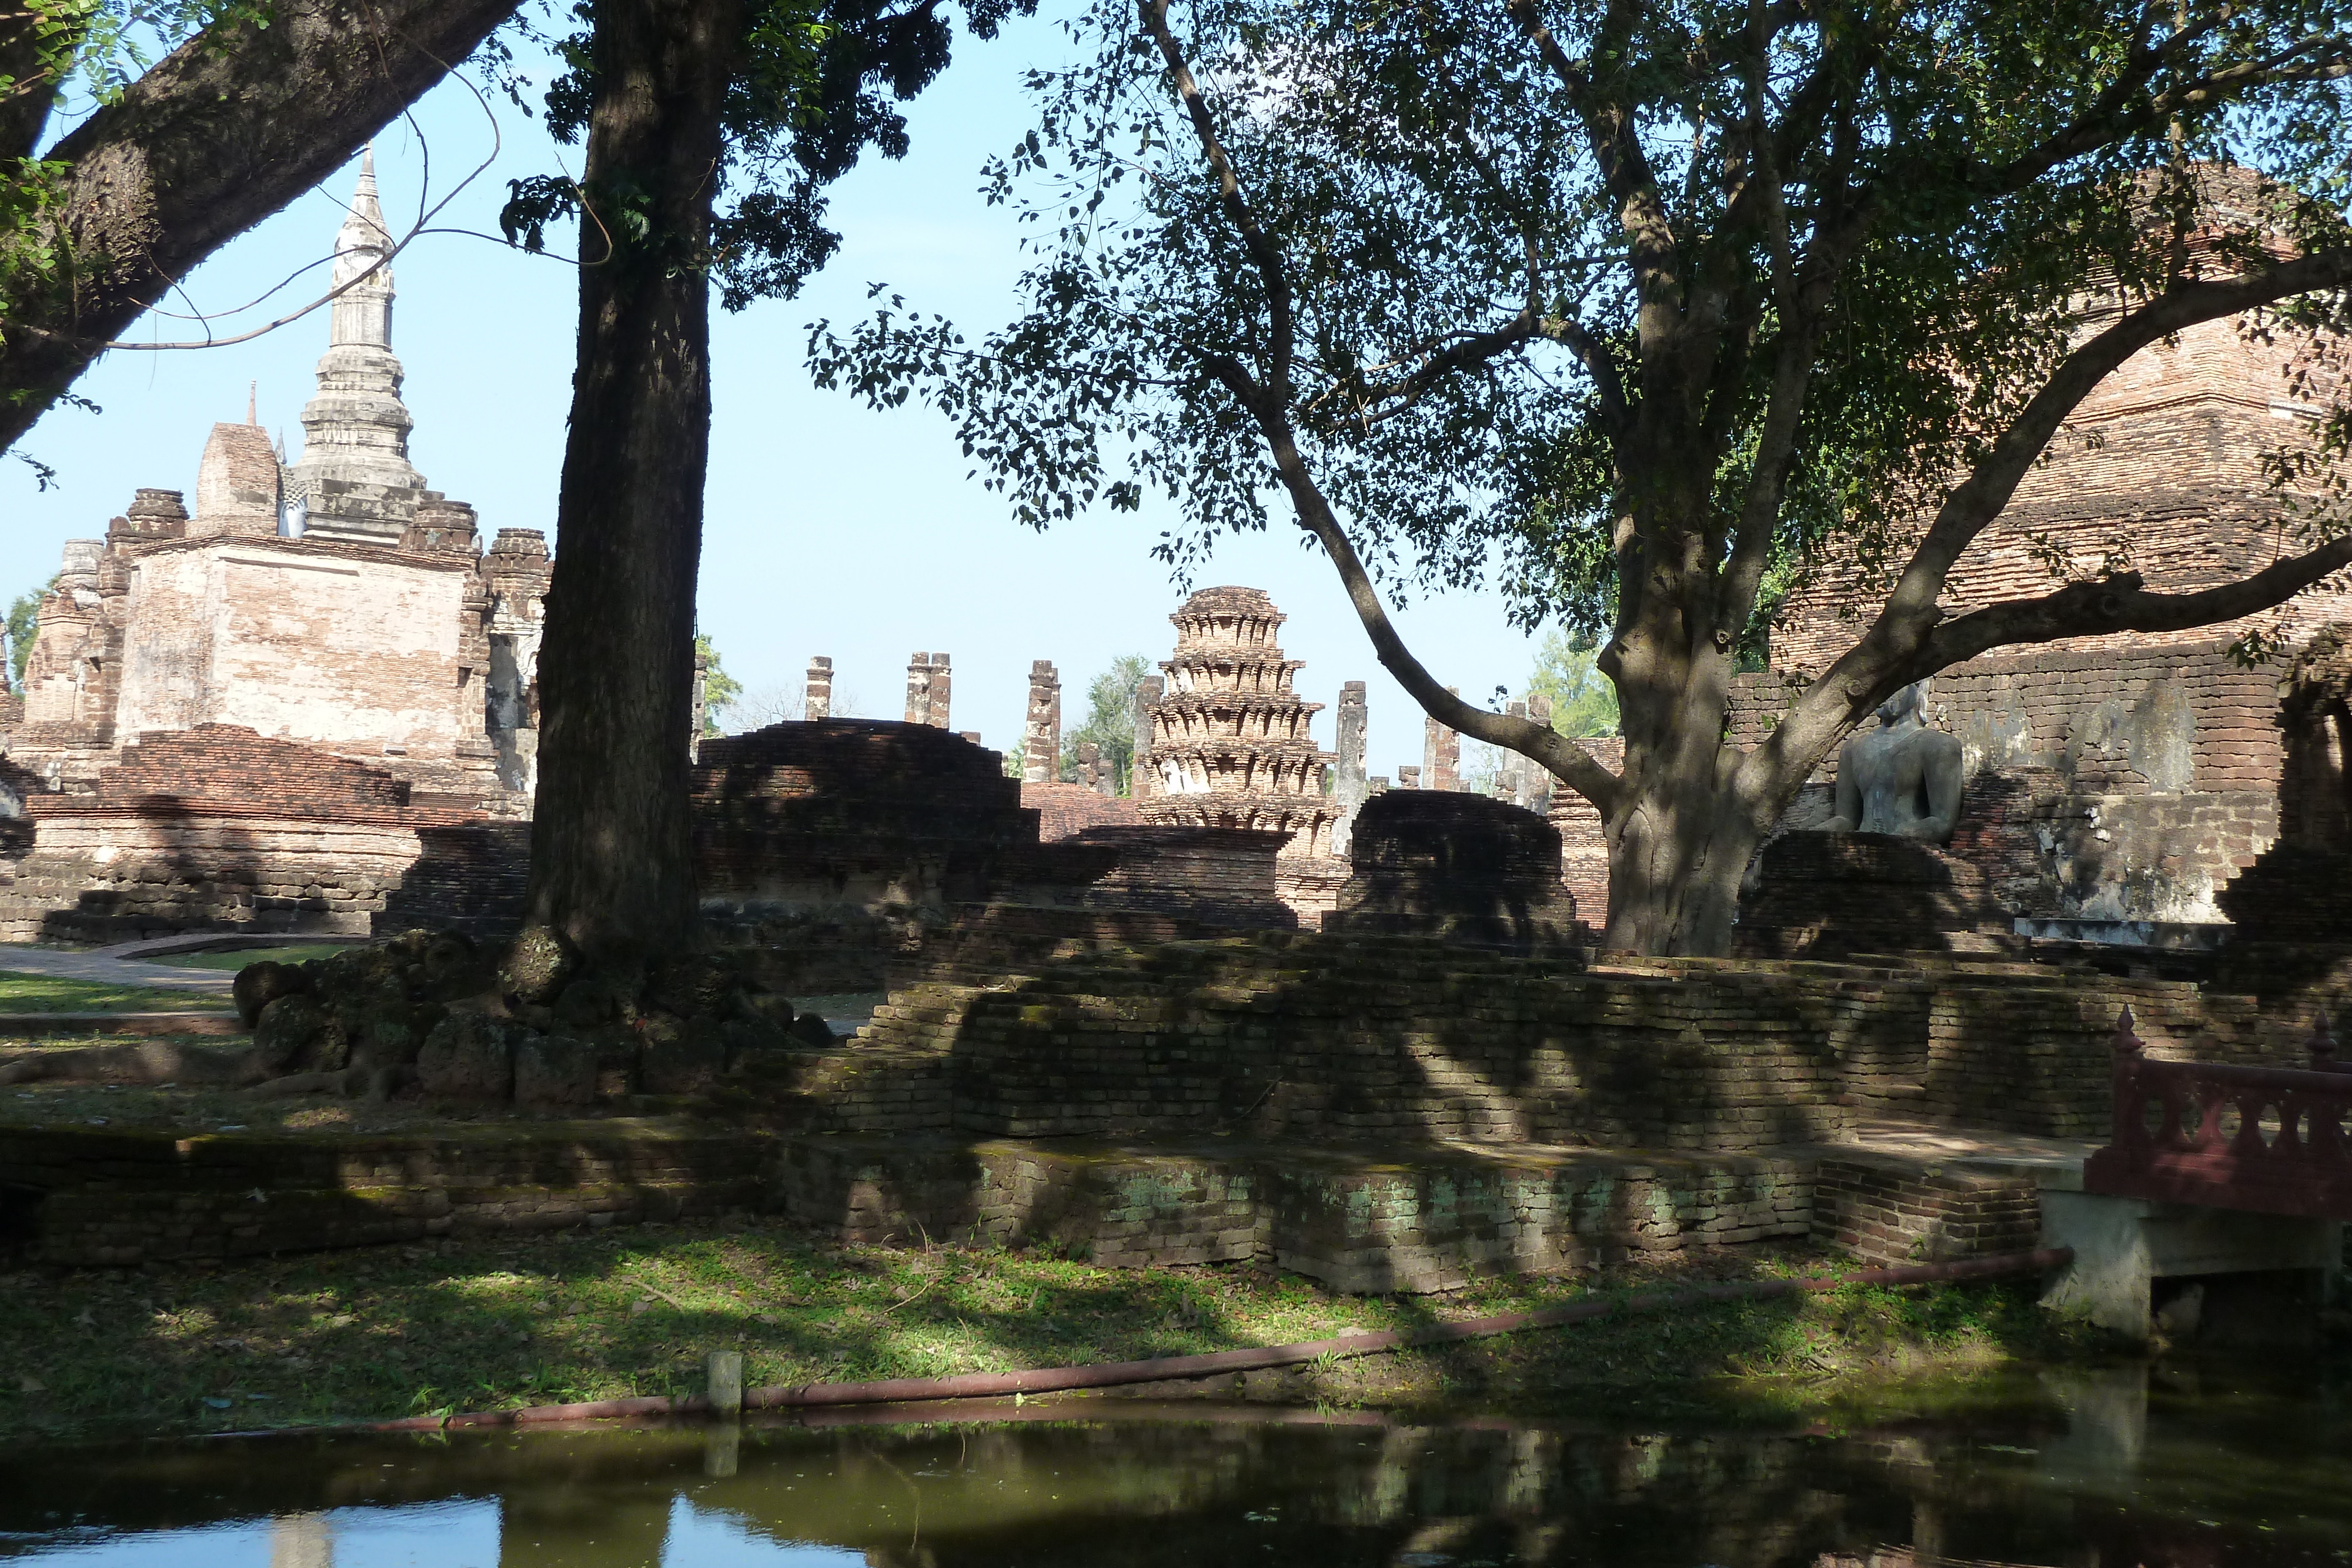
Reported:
(1902, 778)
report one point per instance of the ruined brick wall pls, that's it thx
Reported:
(1583, 850)
(1215, 876)
(1322, 1038)
(2160, 470)
(1358, 1225)
(215, 829)
(1891, 1213)
(2165, 720)
(360, 650)
(1063, 810)
(1444, 864)
(2105, 784)
(467, 877)
(862, 813)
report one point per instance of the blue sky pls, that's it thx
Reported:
(831, 529)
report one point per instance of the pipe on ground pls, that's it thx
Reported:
(1174, 1368)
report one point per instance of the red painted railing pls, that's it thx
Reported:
(2274, 1140)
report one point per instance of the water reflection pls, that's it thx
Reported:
(2083, 1469)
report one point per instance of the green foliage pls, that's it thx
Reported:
(721, 690)
(1110, 719)
(1583, 703)
(1479, 307)
(23, 622)
(49, 49)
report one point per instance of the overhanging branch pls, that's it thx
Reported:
(2120, 603)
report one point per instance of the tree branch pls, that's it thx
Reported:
(1972, 505)
(2119, 603)
(1566, 760)
(1262, 250)
(1906, 641)
(222, 133)
(1614, 140)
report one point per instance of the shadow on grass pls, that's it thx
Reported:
(384, 1331)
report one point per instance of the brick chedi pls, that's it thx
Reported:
(1231, 746)
(336, 602)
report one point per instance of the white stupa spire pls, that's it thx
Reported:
(363, 306)
(355, 470)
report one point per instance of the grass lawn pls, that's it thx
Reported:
(237, 958)
(592, 1314)
(55, 993)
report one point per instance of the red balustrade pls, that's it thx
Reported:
(2270, 1139)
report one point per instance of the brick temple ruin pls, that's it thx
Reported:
(2117, 786)
(335, 602)
(239, 716)
(1444, 1077)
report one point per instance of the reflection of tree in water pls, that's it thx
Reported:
(1095, 1487)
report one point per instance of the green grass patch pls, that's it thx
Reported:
(237, 958)
(56, 994)
(599, 1315)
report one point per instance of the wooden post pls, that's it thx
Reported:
(727, 1385)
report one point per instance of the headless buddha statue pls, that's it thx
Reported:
(1902, 778)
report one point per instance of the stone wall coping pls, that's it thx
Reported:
(431, 561)
(146, 1144)
(147, 808)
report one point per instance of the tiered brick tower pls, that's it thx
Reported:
(1230, 742)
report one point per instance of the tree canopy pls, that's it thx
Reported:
(1110, 724)
(1638, 305)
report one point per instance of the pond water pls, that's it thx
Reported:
(2087, 1468)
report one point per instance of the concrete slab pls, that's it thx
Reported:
(223, 942)
(99, 970)
(2124, 1244)
(2055, 1164)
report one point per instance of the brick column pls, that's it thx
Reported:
(816, 696)
(1041, 740)
(1142, 775)
(935, 710)
(1348, 786)
(918, 688)
(1537, 796)
(1441, 753)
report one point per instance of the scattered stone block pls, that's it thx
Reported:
(467, 1057)
(295, 1032)
(258, 985)
(554, 1071)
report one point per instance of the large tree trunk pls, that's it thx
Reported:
(612, 847)
(222, 133)
(1674, 877)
